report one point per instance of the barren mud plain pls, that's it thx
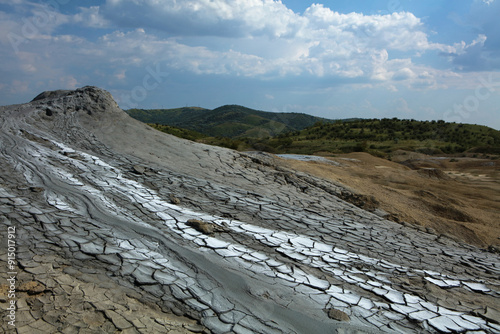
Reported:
(117, 228)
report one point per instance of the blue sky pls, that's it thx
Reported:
(336, 59)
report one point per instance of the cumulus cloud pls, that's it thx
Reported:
(483, 54)
(476, 56)
(235, 18)
(397, 31)
(248, 38)
(268, 39)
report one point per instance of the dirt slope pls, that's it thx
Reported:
(460, 198)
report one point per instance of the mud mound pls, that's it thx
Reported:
(51, 95)
(88, 99)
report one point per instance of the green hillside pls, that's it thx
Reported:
(387, 135)
(231, 121)
(173, 117)
(242, 128)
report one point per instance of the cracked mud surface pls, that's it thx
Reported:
(104, 207)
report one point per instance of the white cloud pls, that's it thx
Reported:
(462, 47)
(397, 31)
(91, 17)
(207, 17)
(254, 18)
(250, 38)
(271, 39)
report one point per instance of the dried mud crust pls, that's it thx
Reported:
(55, 294)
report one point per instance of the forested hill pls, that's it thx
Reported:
(230, 121)
(247, 129)
(390, 134)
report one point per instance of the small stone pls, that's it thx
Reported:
(93, 319)
(201, 226)
(42, 327)
(338, 315)
(216, 325)
(144, 276)
(366, 303)
(318, 283)
(174, 200)
(138, 169)
(32, 288)
(405, 310)
(41, 269)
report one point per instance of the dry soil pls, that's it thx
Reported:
(458, 197)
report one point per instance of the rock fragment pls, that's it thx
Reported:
(138, 169)
(32, 288)
(174, 200)
(201, 226)
(338, 315)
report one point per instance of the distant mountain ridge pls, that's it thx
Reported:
(231, 121)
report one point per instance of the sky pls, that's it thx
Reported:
(424, 60)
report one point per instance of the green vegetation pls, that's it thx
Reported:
(230, 121)
(241, 128)
(174, 117)
(383, 136)
(178, 132)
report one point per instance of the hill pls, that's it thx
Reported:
(382, 136)
(230, 121)
(379, 137)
